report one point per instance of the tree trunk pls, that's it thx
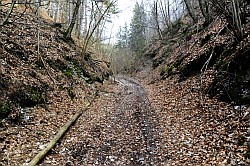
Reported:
(156, 20)
(80, 21)
(236, 19)
(205, 11)
(165, 9)
(90, 32)
(85, 19)
(190, 11)
(73, 21)
(57, 137)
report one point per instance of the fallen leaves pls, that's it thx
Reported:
(199, 130)
(27, 130)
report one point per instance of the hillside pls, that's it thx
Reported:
(42, 83)
(199, 85)
(189, 53)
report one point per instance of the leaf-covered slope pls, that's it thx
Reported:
(43, 82)
(35, 60)
(200, 86)
(191, 52)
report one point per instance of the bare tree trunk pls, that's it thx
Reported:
(236, 18)
(80, 21)
(56, 11)
(163, 11)
(76, 26)
(57, 137)
(156, 19)
(50, 11)
(73, 21)
(232, 14)
(204, 7)
(188, 6)
(170, 25)
(90, 32)
(85, 18)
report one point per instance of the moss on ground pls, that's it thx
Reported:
(4, 110)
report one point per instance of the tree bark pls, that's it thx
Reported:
(205, 11)
(190, 11)
(165, 9)
(236, 19)
(156, 20)
(52, 143)
(90, 32)
(73, 21)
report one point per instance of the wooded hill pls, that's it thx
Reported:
(36, 60)
(44, 79)
(190, 52)
(205, 35)
(204, 53)
(207, 55)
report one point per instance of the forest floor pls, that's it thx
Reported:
(160, 123)
(154, 122)
(120, 129)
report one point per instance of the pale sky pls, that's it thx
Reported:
(125, 15)
(126, 8)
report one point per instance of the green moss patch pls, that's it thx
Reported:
(29, 97)
(167, 71)
(4, 110)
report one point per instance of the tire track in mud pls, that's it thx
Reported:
(128, 135)
(141, 114)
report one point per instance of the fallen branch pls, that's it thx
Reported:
(8, 15)
(203, 69)
(52, 143)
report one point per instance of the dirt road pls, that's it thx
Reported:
(166, 124)
(125, 131)
(129, 135)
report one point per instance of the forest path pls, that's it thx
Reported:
(165, 123)
(123, 129)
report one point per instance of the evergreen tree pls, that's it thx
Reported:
(123, 37)
(137, 38)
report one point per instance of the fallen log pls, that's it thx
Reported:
(60, 133)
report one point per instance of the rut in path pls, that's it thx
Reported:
(129, 135)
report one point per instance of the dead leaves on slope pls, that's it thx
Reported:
(200, 130)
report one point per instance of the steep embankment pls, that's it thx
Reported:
(200, 87)
(190, 52)
(42, 84)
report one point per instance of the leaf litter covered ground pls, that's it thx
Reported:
(41, 91)
(176, 125)
(120, 129)
(199, 130)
